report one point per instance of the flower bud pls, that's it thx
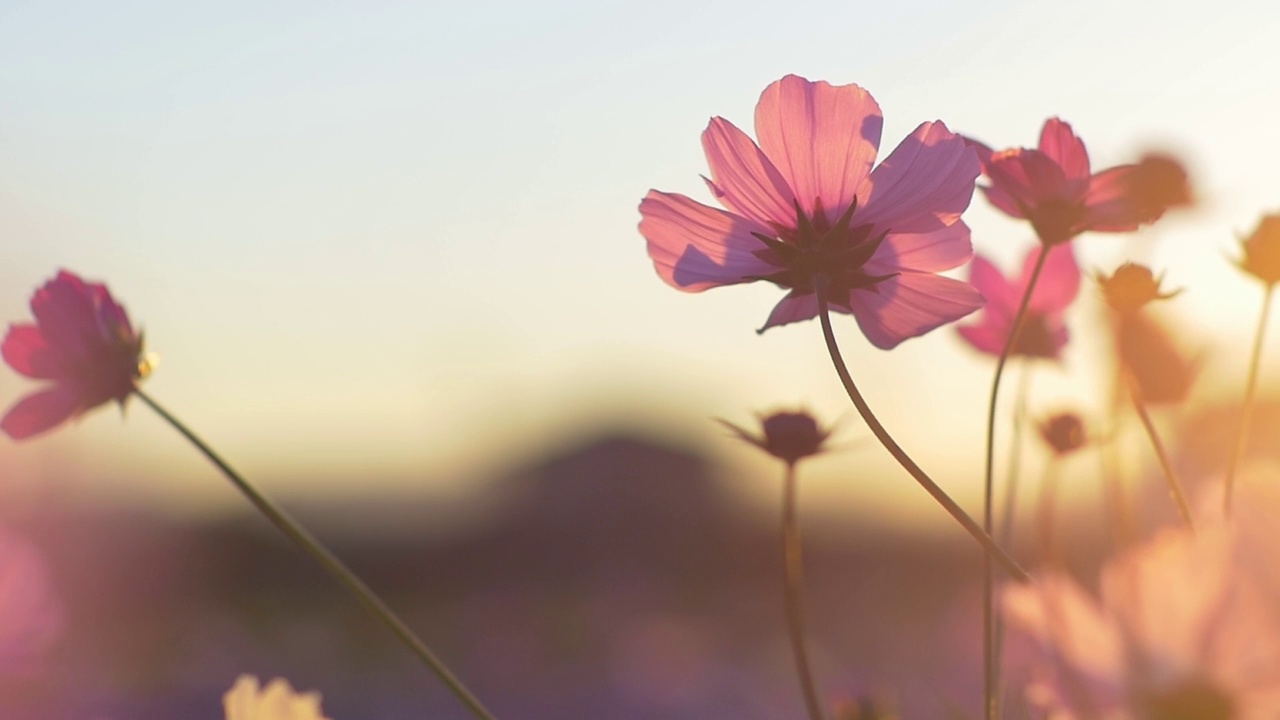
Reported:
(1064, 433)
(1262, 250)
(788, 436)
(1132, 286)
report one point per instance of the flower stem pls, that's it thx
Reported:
(1250, 392)
(793, 566)
(329, 562)
(931, 487)
(1011, 487)
(990, 661)
(1175, 488)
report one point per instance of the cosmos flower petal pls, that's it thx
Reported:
(695, 247)
(1003, 201)
(823, 138)
(27, 352)
(909, 305)
(1108, 205)
(1059, 279)
(41, 411)
(994, 286)
(933, 251)
(743, 179)
(983, 338)
(1028, 177)
(924, 184)
(1059, 142)
(792, 308)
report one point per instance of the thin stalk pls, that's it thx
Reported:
(984, 539)
(793, 567)
(1250, 393)
(1175, 488)
(328, 561)
(990, 661)
(1011, 491)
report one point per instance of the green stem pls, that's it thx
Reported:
(793, 566)
(1175, 488)
(1250, 392)
(990, 661)
(931, 487)
(329, 562)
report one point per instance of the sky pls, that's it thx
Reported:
(392, 247)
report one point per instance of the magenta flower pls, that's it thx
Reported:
(1044, 332)
(1052, 187)
(81, 341)
(805, 208)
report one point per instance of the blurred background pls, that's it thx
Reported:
(387, 255)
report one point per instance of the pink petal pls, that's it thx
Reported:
(1003, 201)
(987, 279)
(1028, 177)
(910, 305)
(27, 352)
(695, 247)
(1108, 205)
(941, 249)
(1059, 280)
(823, 139)
(924, 184)
(792, 308)
(1061, 144)
(984, 338)
(41, 411)
(744, 179)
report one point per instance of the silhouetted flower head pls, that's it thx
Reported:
(1052, 186)
(1158, 183)
(1262, 250)
(1044, 330)
(83, 343)
(1064, 433)
(1131, 287)
(246, 700)
(788, 436)
(808, 213)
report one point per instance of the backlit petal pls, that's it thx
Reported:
(910, 305)
(695, 247)
(1108, 205)
(1060, 143)
(934, 251)
(27, 352)
(823, 138)
(743, 178)
(41, 411)
(924, 184)
(994, 286)
(1059, 280)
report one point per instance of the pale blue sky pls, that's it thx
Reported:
(399, 239)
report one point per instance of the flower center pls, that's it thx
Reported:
(817, 248)
(1056, 220)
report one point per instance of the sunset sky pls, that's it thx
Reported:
(396, 242)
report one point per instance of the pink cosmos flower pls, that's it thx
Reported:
(805, 208)
(1052, 187)
(1179, 632)
(1044, 332)
(81, 341)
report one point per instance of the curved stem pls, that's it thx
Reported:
(931, 487)
(990, 661)
(1175, 489)
(793, 567)
(328, 561)
(1011, 486)
(1250, 391)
